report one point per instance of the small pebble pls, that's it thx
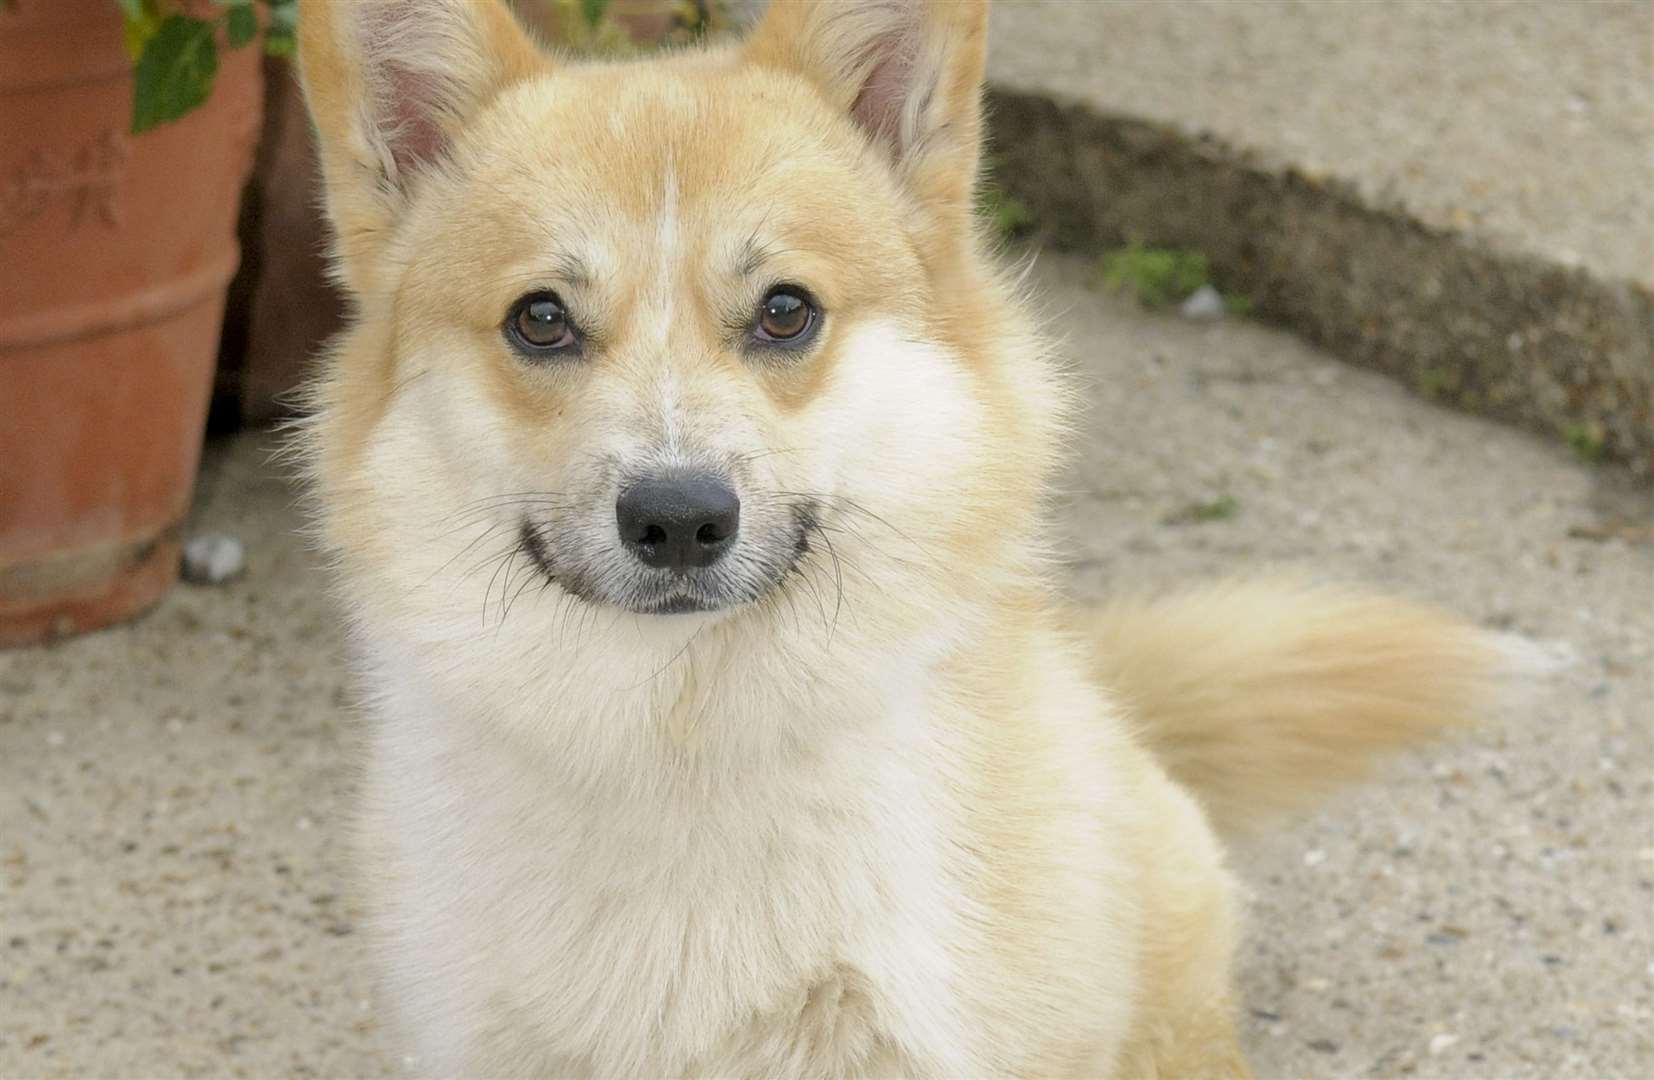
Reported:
(1205, 304)
(213, 559)
(1314, 857)
(1440, 1044)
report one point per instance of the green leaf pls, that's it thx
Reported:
(593, 11)
(136, 34)
(175, 72)
(241, 25)
(139, 21)
(280, 37)
(278, 42)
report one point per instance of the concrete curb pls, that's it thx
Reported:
(1515, 337)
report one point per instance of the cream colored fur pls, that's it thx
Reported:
(895, 816)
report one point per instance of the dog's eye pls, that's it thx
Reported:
(538, 324)
(786, 317)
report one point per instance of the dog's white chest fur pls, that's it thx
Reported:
(654, 910)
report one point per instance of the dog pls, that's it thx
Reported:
(685, 470)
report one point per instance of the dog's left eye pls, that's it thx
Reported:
(538, 324)
(787, 316)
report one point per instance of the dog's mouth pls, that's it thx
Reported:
(746, 576)
(680, 605)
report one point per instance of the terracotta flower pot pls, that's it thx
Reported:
(115, 251)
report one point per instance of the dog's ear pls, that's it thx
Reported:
(388, 83)
(908, 72)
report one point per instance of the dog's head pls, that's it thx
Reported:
(677, 335)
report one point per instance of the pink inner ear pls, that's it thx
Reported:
(891, 104)
(409, 90)
(878, 107)
(409, 111)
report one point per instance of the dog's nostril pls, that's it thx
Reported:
(678, 521)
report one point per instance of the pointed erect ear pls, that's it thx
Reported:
(389, 82)
(908, 72)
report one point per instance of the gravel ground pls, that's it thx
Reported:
(1526, 124)
(172, 899)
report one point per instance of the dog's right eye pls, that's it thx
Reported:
(538, 325)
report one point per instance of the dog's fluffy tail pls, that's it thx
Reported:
(1260, 696)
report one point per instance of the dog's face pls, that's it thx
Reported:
(662, 315)
(669, 336)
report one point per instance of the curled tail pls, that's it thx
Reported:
(1260, 696)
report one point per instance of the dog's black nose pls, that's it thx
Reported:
(678, 522)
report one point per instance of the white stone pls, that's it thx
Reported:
(1205, 303)
(213, 559)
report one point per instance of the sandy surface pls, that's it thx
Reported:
(172, 793)
(1525, 123)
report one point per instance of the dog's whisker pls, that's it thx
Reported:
(838, 579)
(466, 550)
(462, 520)
(502, 565)
(658, 672)
(529, 576)
(508, 495)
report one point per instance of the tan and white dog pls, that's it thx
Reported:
(685, 468)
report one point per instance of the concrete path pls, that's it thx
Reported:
(172, 794)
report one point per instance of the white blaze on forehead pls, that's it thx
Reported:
(666, 225)
(660, 308)
(666, 246)
(670, 404)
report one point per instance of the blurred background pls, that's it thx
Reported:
(1360, 288)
